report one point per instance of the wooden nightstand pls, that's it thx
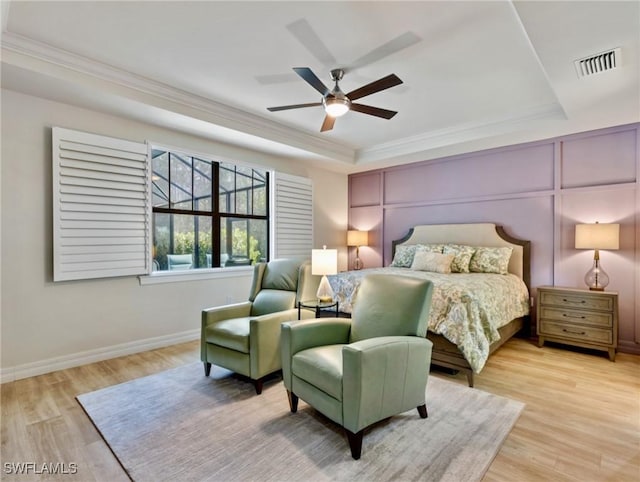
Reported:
(578, 317)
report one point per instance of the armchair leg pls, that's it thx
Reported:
(355, 442)
(207, 369)
(258, 385)
(293, 401)
(422, 410)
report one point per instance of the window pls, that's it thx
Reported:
(207, 214)
(120, 209)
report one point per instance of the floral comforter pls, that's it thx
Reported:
(467, 308)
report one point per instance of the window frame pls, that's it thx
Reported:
(215, 214)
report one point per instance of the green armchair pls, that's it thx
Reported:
(245, 337)
(363, 370)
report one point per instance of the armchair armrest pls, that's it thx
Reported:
(314, 332)
(303, 334)
(220, 313)
(383, 376)
(264, 341)
(225, 312)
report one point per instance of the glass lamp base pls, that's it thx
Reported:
(324, 293)
(357, 264)
(596, 278)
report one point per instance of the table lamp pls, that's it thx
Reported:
(597, 236)
(323, 262)
(357, 239)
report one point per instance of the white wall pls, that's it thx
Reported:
(47, 326)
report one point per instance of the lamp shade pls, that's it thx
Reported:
(357, 238)
(597, 236)
(324, 261)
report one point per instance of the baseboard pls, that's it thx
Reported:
(629, 347)
(41, 367)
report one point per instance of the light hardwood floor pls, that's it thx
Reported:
(581, 421)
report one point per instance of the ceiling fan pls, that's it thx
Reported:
(336, 103)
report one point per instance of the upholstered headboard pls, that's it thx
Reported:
(475, 234)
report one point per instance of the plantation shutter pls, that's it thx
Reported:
(100, 206)
(293, 216)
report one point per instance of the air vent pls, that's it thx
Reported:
(595, 64)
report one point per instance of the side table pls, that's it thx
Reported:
(317, 305)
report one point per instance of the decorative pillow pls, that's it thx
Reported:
(461, 257)
(432, 248)
(491, 260)
(435, 262)
(404, 256)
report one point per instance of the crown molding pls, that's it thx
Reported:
(167, 97)
(458, 134)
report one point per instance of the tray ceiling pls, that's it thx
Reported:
(476, 74)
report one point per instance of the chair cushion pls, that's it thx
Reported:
(176, 262)
(272, 301)
(390, 305)
(322, 367)
(281, 274)
(232, 333)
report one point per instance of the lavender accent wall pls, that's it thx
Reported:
(483, 174)
(537, 191)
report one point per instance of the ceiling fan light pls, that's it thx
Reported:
(336, 107)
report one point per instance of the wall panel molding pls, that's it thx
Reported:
(531, 200)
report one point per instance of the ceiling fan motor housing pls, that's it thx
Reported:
(336, 103)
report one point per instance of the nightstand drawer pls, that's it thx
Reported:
(595, 318)
(580, 333)
(568, 300)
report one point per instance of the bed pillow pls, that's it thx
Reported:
(461, 257)
(404, 256)
(405, 252)
(432, 248)
(429, 261)
(491, 260)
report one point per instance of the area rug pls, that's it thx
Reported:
(179, 425)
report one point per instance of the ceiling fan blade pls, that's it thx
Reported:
(293, 106)
(376, 86)
(302, 30)
(327, 125)
(376, 111)
(307, 74)
(401, 42)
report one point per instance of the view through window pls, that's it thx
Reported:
(207, 214)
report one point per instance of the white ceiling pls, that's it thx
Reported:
(476, 74)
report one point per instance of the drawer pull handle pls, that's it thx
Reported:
(574, 332)
(573, 316)
(572, 301)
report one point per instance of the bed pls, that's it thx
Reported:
(472, 314)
